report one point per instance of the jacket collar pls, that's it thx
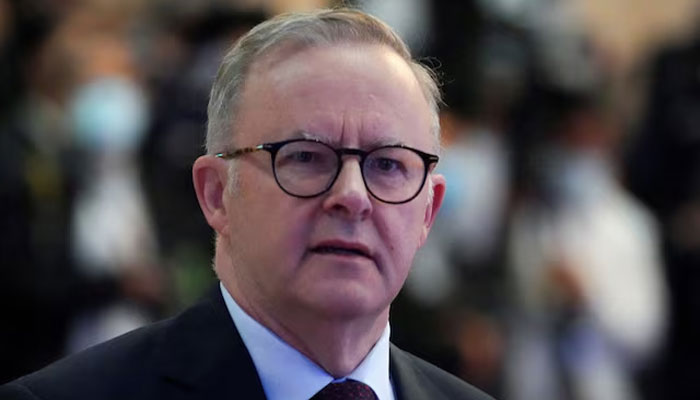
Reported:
(409, 383)
(202, 352)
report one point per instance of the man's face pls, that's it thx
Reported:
(358, 96)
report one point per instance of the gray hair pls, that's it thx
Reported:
(303, 30)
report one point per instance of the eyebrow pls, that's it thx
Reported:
(311, 136)
(379, 142)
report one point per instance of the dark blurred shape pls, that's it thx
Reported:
(663, 169)
(40, 288)
(23, 27)
(187, 54)
(457, 30)
(669, 142)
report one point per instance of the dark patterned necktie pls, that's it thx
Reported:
(346, 390)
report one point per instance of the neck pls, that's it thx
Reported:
(336, 344)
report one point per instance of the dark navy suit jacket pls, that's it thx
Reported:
(197, 355)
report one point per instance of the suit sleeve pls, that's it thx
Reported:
(14, 391)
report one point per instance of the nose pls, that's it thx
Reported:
(348, 196)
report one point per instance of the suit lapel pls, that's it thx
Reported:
(202, 356)
(409, 383)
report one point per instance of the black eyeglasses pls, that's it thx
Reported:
(306, 168)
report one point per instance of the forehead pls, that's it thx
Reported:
(352, 94)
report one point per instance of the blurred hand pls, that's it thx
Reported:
(144, 284)
(480, 344)
(565, 285)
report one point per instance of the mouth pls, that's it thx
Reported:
(341, 249)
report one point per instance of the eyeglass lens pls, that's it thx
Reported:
(307, 168)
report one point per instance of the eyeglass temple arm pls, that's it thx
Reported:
(239, 152)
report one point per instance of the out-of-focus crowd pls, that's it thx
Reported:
(565, 262)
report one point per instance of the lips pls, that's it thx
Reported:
(341, 248)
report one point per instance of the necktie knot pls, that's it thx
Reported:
(346, 390)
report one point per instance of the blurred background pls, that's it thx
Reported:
(565, 263)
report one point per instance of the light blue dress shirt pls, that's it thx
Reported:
(286, 374)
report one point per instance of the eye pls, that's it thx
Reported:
(386, 164)
(303, 156)
(306, 156)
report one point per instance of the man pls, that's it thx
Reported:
(318, 182)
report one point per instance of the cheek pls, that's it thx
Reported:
(269, 247)
(400, 231)
(264, 226)
(282, 232)
(273, 218)
(290, 232)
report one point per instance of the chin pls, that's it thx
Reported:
(349, 300)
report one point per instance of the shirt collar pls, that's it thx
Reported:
(285, 373)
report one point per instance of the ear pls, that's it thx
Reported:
(210, 176)
(439, 186)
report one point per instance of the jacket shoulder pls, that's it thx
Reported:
(14, 391)
(419, 379)
(101, 370)
(198, 351)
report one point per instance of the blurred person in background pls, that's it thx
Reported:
(46, 279)
(457, 273)
(590, 301)
(111, 226)
(457, 282)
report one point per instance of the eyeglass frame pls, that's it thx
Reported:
(274, 147)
